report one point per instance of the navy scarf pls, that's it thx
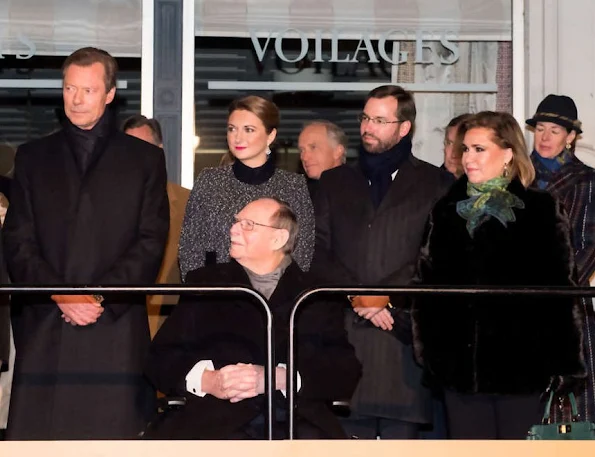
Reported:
(545, 168)
(378, 168)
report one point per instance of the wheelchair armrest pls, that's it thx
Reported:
(170, 403)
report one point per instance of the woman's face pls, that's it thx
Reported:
(551, 139)
(247, 138)
(482, 158)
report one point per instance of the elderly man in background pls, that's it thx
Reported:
(322, 146)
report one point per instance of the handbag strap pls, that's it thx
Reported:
(548, 406)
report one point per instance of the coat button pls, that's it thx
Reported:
(369, 225)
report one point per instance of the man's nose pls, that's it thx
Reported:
(235, 227)
(78, 97)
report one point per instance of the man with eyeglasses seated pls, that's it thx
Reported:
(211, 350)
(369, 224)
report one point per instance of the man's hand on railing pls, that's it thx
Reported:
(79, 309)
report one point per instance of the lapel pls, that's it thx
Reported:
(62, 170)
(402, 187)
(284, 295)
(287, 289)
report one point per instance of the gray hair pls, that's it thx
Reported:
(334, 133)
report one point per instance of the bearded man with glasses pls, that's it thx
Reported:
(369, 224)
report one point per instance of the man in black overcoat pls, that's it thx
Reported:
(88, 207)
(212, 349)
(369, 224)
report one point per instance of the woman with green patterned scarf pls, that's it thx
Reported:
(494, 356)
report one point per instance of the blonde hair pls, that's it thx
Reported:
(507, 135)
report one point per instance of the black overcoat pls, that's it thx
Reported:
(106, 227)
(498, 344)
(359, 245)
(229, 330)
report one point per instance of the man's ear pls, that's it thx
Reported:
(404, 128)
(110, 95)
(280, 239)
(339, 153)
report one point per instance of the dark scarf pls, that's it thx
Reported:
(545, 168)
(378, 168)
(488, 199)
(254, 176)
(86, 144)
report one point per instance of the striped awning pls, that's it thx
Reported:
(468, 20)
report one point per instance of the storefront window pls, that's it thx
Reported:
(323, 69)
(31, 96)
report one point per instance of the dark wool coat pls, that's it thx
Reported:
(499, 344)
(106, 227)
(357, 244)
(229, 330)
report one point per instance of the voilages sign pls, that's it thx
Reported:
(263, 42)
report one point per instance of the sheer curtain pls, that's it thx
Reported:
(477, 64)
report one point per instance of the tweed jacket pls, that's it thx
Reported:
(217, 196)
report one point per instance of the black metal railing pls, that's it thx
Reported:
(408, 291)
(177, 290)
(270, 356)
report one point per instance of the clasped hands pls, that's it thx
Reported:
(239, 381)
(79, 309)
(374, 309)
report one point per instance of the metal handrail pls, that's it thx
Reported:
(175, 290)
(404, 290)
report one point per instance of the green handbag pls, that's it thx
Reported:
(574, 430)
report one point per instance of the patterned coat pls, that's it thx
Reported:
(574, 185)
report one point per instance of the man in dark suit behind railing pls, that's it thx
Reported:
(88, 206)
(369, 224)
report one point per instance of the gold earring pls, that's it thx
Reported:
(506, 171)
(568, 146)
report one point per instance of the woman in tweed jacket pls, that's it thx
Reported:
(558, 171)
(219, 193)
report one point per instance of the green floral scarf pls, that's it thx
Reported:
(488, 199)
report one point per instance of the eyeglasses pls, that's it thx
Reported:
(248, 224)
(375, 120)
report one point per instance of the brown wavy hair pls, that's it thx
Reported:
(506, 134)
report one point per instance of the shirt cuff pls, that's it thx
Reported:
(299, 379)
(194, 377)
